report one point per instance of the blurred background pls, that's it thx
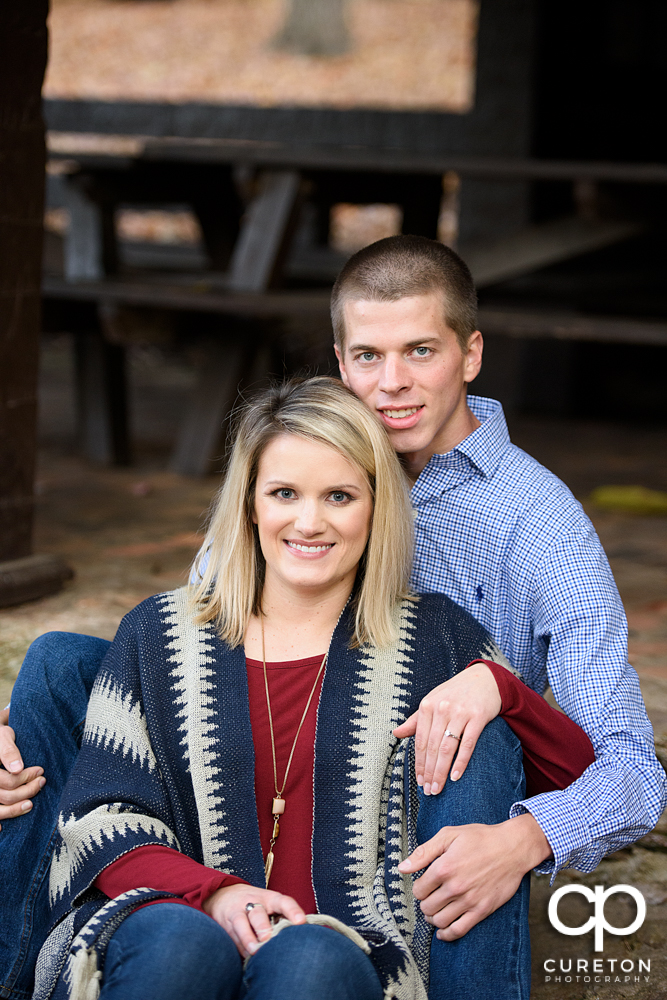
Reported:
(178, 206)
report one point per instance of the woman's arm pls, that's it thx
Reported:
(556, 751)
(164, 868)
(203, 888)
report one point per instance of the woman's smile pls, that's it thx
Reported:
(308, 549)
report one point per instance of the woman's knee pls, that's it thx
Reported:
(312, 962)
(169, 950)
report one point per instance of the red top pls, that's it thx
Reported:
(555, 752)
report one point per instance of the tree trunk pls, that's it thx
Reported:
(23, 50)
(314, 28)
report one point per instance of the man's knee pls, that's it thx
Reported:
(58, 671)
(491, 782)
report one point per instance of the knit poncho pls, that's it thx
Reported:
(167, 758)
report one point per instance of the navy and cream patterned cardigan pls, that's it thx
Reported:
(167, 758)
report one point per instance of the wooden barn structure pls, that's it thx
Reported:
(559, 157)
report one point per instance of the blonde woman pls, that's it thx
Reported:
(240, 796)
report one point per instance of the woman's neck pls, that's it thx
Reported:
(296, 625)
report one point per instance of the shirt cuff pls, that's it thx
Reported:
(561, 821)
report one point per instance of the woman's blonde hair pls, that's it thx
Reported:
(320, 409)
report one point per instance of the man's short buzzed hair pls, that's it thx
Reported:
(399, 266)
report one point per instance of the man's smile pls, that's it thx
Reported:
(398, 417)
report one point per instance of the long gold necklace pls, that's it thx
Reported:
(278, 805)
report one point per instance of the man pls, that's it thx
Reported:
(504, 538)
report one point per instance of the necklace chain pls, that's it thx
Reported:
(278, 805)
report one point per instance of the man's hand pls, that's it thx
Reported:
(463, 705)
(473, 870)
(249, 928)
(17, 784)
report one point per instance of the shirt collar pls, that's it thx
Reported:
(484, 448)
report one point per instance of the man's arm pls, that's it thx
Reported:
(620, 797)
(578, 613)
(18, 784)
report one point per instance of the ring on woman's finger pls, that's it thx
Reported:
(251, 906)
(453, 735)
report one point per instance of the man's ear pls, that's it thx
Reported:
(341, 365)
(473, 358)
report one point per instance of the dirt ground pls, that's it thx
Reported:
(129, 533)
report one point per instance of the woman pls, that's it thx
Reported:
(238, 761)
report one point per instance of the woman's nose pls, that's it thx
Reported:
(309, 519)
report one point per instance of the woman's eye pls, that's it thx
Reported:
(339, 497)
(284, 494)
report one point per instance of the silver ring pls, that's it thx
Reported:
(251, 906)
(453, 735)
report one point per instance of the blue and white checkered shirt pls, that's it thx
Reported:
(503, 537)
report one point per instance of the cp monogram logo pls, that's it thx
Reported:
(598, 898)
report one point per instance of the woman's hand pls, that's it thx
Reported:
(463, 705)
(248, 928)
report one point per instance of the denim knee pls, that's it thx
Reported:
(58, 672)
(490, 784)
(311, 963)
(169, 951)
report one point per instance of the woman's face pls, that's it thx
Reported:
(313, 511)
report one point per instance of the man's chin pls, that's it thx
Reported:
(407, 442)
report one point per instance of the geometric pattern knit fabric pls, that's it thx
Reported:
(167, 758)
(503, 537)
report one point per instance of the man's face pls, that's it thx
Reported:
(407, 366)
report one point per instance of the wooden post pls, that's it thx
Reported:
(23, 41)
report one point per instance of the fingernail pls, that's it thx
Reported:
(420, 780)
(15, 766)
(252, 948)
(435, 788)
(427, 788)
(41, 782)
(404, 866)
(25, 806)
(455, 775)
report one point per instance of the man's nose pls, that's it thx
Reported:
(394, 375)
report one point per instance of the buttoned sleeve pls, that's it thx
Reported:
(578, 614)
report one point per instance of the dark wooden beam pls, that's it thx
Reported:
(121, 151)
(23, 49)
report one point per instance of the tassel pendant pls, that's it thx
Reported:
(268, 865)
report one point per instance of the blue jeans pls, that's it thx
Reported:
(168, 952)
(49, 704)
(492, 961)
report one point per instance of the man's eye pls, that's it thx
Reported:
(422, 352)
(367, 356)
